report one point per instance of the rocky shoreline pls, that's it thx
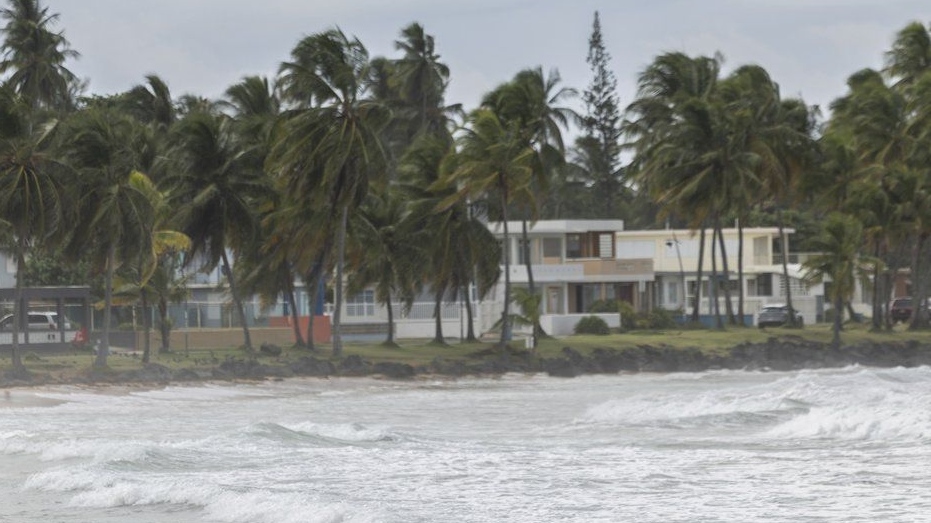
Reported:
(776, 354)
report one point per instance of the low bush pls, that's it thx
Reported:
(661, 319)
(592, 325)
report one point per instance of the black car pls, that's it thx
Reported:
(900, 309)
(776, 315)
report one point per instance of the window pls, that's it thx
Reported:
(362, 304)
(573, 246)
(522, 247)
(605, 244)
(552, 248)
(672, 292)
(764, 285)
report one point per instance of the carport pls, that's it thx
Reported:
(72, 302)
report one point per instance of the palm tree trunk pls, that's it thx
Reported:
(718, 321)
(892, 271)
(390, 340)
(785, 268)
(19, 370)
(104, 351)
(146, 326)
(919, 302)
(312, 280)
(338, 284)
(295, 317)
(438, 316)
(838, 319)
(237, 301)
(696, 309)
(728, 303)
(878, 288)
(740, 272)
(506, 314)
(470, 328)
(531, 287)
(163, 326)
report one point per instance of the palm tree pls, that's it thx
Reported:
(213, 185)
(679, 141)
(150, 274)
(31, 194)
(267, 268)
(421, 81)
(839, 259)
(462, 254)
(492, 160)
(117, 214)
(910, 56)
(878, 120)
(908, 64)
(528, 105)
(387, 249)
(330, 148)
(774, 137)
(151, 103)
(34, 56)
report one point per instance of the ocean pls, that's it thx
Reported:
(842, 445)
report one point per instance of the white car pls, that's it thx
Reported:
(38, 320)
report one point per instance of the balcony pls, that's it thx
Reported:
(582, 269)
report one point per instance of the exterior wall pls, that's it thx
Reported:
(667, 248)
(564, 324)
(321, 326)
(219, 338)
(7, 271)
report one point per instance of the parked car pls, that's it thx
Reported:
(900, 309)
(776, 315)
(38, 320)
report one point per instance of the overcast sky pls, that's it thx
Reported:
(202, 46)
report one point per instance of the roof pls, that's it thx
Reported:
(560, 226)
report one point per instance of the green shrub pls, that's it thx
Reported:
(661, 319)
(603, 306)
(592, 325)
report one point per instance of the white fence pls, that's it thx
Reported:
(38, 336)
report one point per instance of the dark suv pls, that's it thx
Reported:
(901, 309)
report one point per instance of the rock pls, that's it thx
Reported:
(355, 366)
(394, 370)
(561, 368)
(456, 368)
(310, 366)
(270, 349)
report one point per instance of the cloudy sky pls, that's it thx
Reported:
(202, 46)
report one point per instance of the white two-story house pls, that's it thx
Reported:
(575, 264)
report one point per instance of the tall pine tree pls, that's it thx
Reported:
(598, 149)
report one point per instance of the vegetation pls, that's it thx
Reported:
(592, 325)
(352, 171)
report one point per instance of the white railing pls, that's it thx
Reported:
(548, 273)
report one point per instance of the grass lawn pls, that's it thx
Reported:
(60, 366)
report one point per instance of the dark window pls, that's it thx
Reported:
(552, 248)
(573, 246)
(764, 285)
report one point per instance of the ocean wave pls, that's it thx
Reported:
(868, 422)
(218, 500)
(343, 432)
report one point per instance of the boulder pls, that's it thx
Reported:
(394, 370)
